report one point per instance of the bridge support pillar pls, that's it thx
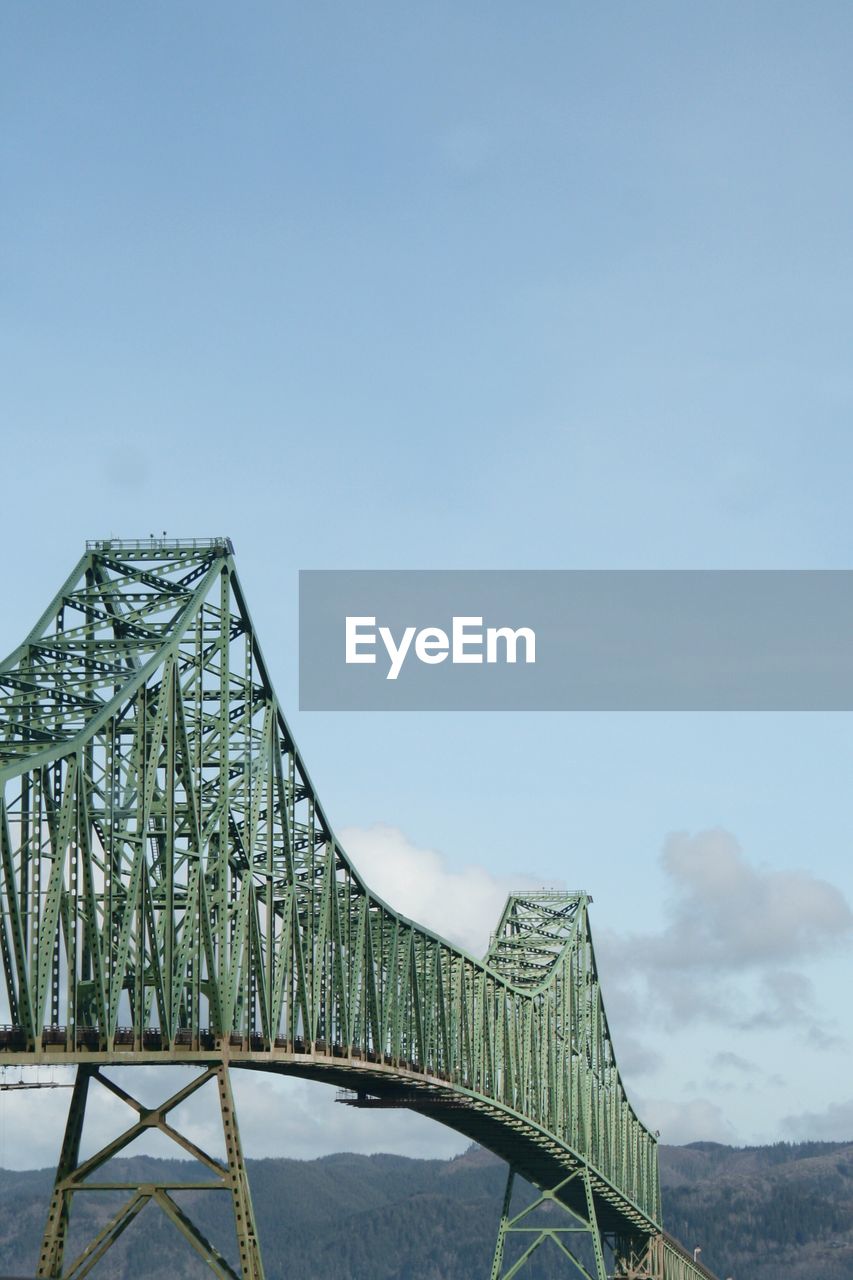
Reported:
(549, 1217)
(74, 1176)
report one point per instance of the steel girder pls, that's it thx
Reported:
(172, 891)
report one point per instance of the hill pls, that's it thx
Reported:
(759, 1213)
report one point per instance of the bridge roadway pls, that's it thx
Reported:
(172, 892)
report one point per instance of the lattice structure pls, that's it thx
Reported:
(172, 892)
(74, 1176)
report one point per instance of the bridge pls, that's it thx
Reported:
(173, 893)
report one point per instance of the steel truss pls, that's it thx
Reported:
(172, 891)
(570, 1216)
(562, 1227)
(74, 1176)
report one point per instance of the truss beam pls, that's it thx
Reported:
(171, 890)
(564, 1226)
(74, 1176)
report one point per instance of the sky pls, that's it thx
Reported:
(482, 286)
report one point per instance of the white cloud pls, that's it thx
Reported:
(462, 905)
(697, 1120)
(833, 1124)
(732, 933)
(727, 913)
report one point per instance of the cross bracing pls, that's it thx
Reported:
(173, 892)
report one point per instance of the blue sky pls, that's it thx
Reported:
(473, 286)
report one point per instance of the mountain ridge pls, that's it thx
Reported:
(758, 1213)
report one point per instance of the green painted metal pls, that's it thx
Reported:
(173, 892)
(561, 1228)
(74, 1176)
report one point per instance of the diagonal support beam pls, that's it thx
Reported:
(73, 1176)
(568, 1225)
(53, 1245)
(244, 1214)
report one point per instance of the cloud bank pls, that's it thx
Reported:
(833, 1124)
(733, 937)
(463, 905)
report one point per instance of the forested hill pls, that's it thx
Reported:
(783, 1212)
(759, 1213)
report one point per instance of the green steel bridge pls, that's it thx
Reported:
(172, 892)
